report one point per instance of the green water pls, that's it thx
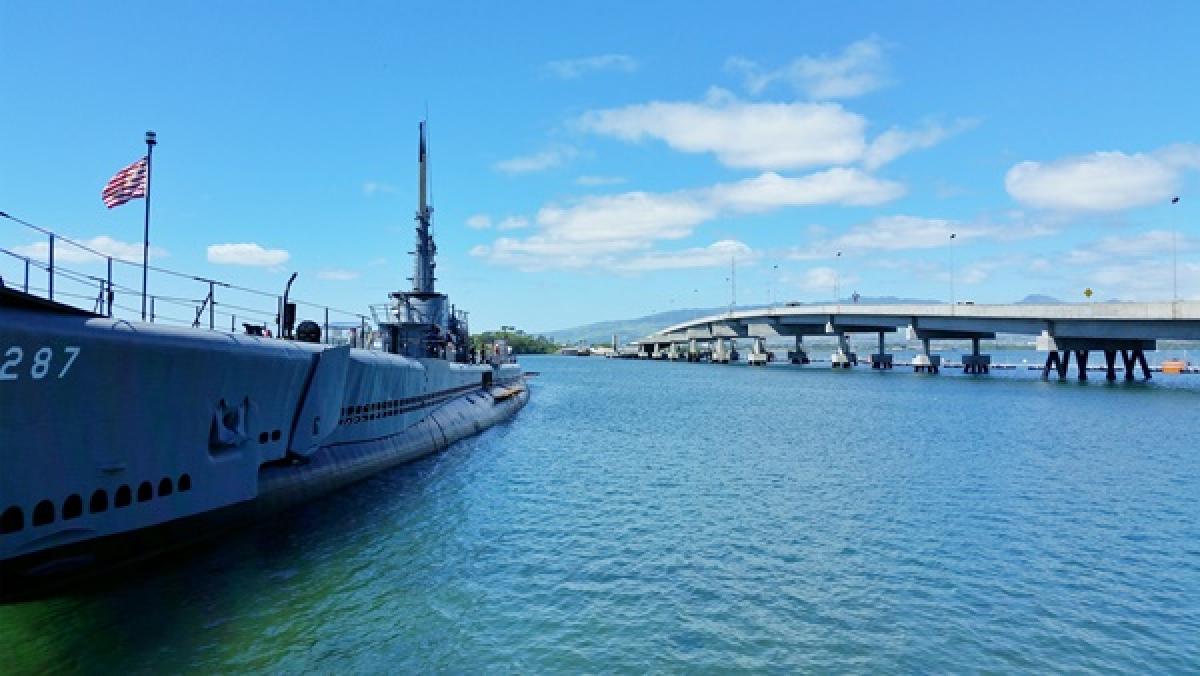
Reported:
(643, 516)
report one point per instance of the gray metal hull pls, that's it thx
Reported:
(114, 432)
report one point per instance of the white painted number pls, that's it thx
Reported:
(41, 363)
(74, 352)
(40, 366)
(12, 357)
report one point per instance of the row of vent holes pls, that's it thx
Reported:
(274, 436)
(13, 519)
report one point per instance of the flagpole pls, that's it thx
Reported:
(151, 140)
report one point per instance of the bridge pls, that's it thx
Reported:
(1126, 330)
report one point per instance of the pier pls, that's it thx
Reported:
(1063, 331)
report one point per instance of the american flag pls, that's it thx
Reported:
(128, 183)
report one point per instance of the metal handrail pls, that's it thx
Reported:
(103, 301)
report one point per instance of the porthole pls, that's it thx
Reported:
(72, 507)
(145, 492)
(185, 483)
(165, 488)
(43, 513)
(275, 435)
(12, 521)
(263, 437)
(99, 502)
(123, 497)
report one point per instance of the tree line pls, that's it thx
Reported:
(521, 342)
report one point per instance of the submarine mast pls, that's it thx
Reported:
(426, 249)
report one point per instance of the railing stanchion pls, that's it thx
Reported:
(151, 309)
(326, 334)
(212, 306)
(26, 274)
(109, 291)
(233, 323)
(279, 316)
(50, 268)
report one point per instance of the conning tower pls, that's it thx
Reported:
(422, 325)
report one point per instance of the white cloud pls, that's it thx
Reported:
(1132, 266)
(625, 221)
(822, 280)
(372, 187)
(895, 142)
(246, 253)
(762, 135)
(888, 233)
(1102, 181)
(599, 180)
(1143, 280)
(833, 186)
(857, 70)
(717, 254)
(966, 273)
(67, 253)
(479, 222)
(513, 223)
(576, 235)
(338, 275)
(742, 135)
(900, 232)
(1150, 244)
(546, 159)
(569, 69)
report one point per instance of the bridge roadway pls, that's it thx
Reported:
(1124, 329)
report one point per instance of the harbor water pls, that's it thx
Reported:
(651, 516)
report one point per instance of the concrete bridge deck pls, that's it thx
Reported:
(1127, 329)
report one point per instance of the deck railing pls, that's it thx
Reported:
(100, 282)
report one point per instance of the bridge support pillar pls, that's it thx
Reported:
(926, 362)
(1132, 359)
(976, 362)
(1059, 361)
(798, 355)
(720, 353)
(1081, 360)
(758, 353)
(881, 360)
(842, 357)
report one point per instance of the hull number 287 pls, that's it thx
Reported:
(44, 363)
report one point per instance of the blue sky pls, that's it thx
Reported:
(595, 162)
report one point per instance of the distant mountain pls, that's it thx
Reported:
(1038, 299)
(627, 329)
(632, 329)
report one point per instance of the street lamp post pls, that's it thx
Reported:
(1174, 258)
(952, 238)
(837, 273)
(774, 283)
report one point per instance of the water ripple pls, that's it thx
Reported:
(673, 517)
